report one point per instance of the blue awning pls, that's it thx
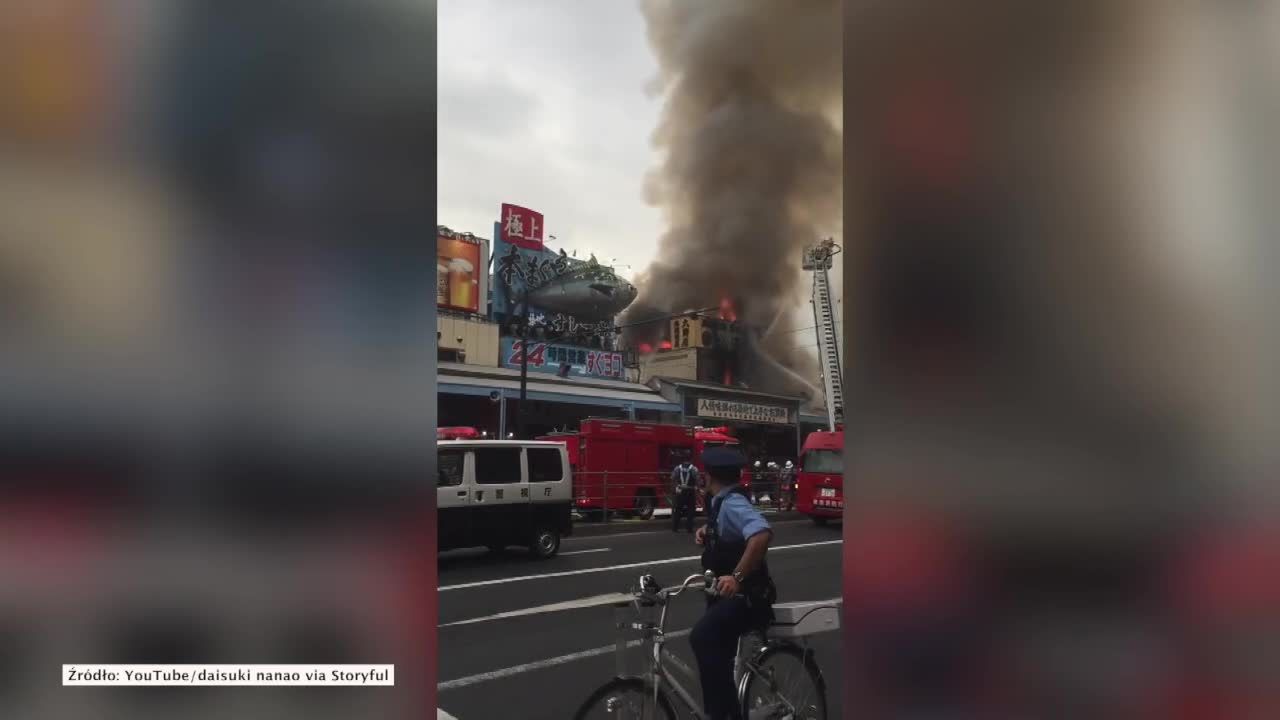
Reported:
(547, 392)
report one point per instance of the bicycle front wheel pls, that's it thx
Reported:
(626, 699)
(786, 684)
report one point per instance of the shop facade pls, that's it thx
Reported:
(488, 399)
(554, 315)
(767, 424)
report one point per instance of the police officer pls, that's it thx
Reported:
(684, 478)
(770, 490)
(789, 485)
(735, 540)
(757, 480)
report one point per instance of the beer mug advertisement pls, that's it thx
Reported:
(746, 412)
(460, 263)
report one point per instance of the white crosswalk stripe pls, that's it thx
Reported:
(543, 664)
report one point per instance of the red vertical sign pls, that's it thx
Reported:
(521, 227)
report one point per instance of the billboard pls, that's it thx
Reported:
(743, 411)
(569, 300)
(462, 261)
(547, 357)
(521, 227)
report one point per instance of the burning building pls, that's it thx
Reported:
(752, 174)
(704, 361)
(708, 347)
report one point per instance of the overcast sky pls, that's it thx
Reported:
(543, 104)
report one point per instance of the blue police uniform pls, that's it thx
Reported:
(685, 479)
(732, 521)
(738, 519)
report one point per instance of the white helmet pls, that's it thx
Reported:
(757, 463)
(773, 464)
(789, 465)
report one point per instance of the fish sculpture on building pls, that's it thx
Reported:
(587, 292)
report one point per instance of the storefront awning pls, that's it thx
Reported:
(641, 399)
(720, 404)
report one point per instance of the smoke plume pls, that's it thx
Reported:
(752, 167)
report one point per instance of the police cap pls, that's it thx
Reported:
(723, 458)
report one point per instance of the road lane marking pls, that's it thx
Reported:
(579, 604)
(442, 715)
(593, 601)
(561, 660)
(655, 531)
(542, 664)
(584, 552)
(610, 568)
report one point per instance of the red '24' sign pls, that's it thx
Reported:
(537, 356)
(598, 362)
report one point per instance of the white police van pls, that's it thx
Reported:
(499, 493)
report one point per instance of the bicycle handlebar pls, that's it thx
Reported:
(707, 578)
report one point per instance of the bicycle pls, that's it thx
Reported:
(756, 675)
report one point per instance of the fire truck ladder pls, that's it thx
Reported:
(818, 259)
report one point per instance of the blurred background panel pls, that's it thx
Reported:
(217, 376)
(1061, 269)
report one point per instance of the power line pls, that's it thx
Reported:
(810, 327)
(661, 318)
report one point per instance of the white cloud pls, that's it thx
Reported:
(542, 104)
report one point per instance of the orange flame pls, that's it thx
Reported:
(726, 310)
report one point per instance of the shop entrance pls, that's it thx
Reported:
(759, 441)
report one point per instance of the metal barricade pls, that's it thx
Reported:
(608, 495)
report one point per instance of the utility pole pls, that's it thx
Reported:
(522, 413)
(524, 367)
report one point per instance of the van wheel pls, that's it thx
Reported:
(546, 543)
(645, 505)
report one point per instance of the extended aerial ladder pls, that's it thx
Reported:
(817, 259)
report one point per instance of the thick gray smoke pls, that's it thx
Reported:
(752, 167)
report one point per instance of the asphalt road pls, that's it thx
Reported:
(520, 639)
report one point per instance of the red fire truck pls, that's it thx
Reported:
(704, 438)
(715, 437)
(626, 466)
(820, 480)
